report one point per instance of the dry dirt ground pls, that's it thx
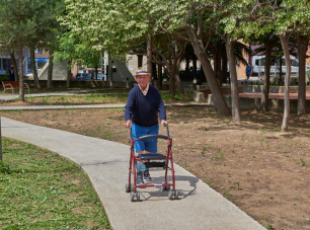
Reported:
(261, 170)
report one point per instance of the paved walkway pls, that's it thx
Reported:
(106, 164)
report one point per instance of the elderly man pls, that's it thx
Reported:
(141, 113)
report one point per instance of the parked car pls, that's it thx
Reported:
(83, 76)
(258, 64)
(100, 76)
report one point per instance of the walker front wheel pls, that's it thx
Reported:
(134, 195)
(173, 194)
(138, 196)
(170, 194)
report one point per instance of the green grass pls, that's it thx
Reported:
(41, 190)
(186, 97)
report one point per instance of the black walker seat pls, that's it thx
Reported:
(151, 156)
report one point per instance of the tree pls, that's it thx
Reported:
(72, 52)
(285, 17)
(168, 53)
(22, 22)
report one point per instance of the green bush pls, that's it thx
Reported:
(4, 77)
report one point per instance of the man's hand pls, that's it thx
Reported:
(128, 124)
(163, 122)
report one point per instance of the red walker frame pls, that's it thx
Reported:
(153, 156)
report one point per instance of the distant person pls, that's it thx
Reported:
(11, 74)
(72, 77)
(248, 71)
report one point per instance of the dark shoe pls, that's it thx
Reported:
(147, 176)
(139, 178)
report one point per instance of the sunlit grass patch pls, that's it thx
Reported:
(44, 191)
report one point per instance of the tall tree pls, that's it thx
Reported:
(303, 44)
(23, 21)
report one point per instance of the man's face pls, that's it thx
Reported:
(142, 80)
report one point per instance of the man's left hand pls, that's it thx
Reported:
(163, 122)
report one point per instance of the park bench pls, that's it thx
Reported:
(13, 85)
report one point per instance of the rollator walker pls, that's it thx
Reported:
(151, 160)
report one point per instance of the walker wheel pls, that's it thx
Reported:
(138, 196)
(173, 194)
(128, 188)
(176, 194)
(170, 194)
(164, 188)
(132, 196)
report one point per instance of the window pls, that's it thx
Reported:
(295, 63)
(260, 62)
(38, 51)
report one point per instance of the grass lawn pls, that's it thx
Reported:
(41, 190)
(103, 97)
(261, 170)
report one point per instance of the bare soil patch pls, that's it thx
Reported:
(261, 170)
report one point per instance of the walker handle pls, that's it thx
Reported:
(130, 126)
(166, 125)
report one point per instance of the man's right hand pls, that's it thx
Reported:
(128, 124)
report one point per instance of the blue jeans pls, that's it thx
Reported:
(149, 145)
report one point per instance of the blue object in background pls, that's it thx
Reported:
(39, 59)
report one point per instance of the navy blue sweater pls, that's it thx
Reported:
(143, 110)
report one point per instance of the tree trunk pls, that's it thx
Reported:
(178, 80)
(50, 70)
(34, 69)
(69, 74)
(160, 77)
(235, 106)
(149, 57)
(224, 64)
(265, 92)
(195, 66)
(14, 66)
(21, 72)
(172, 83)
(154, 73)
(287, 80)
(140, 60)
(303, 42)
(281, 74)
(220, 103)
(217, 61)
(177, 63)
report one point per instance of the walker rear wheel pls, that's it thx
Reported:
(128, 188)
(164, 188)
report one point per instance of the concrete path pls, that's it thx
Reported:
(106, 164)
